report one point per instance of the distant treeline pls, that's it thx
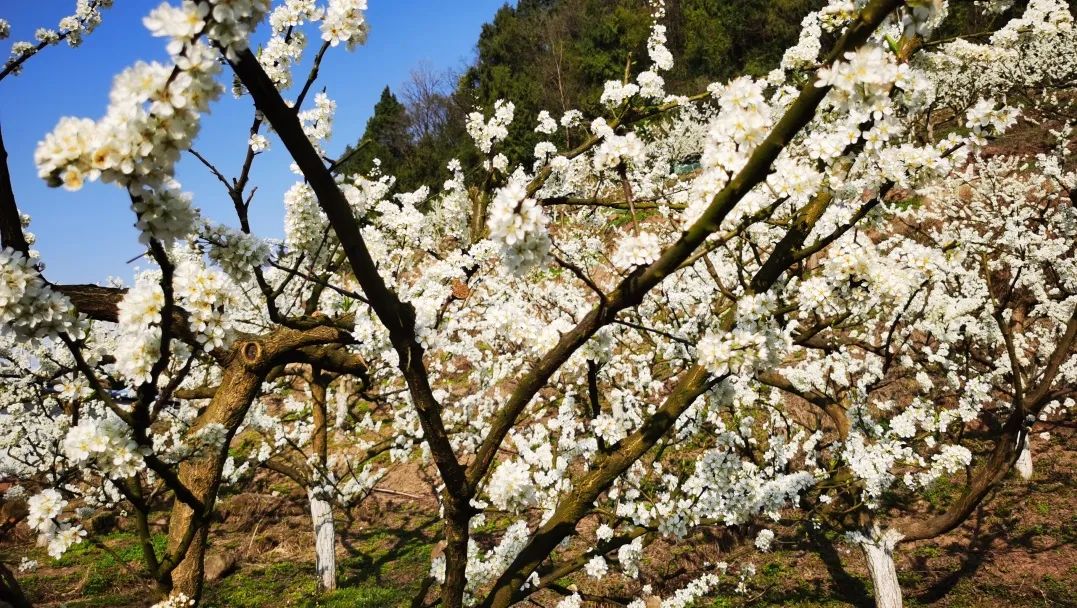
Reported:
(555, 55)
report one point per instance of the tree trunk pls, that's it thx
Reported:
(190, 572)
(456, 541)
(1024, 459)
(250, 363)
(10, 592)
(321, 511)
(321, 515)
(879, 554)
(479, 205)
(202, 476)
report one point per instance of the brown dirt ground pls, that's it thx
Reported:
(1017, 550)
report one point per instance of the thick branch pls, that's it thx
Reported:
(633, 288)
(397, 316)
(10, 222)
(96, 302)
(1002, 457)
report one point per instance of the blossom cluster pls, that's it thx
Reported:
(29, 307)
(637, 250)
(44, 517)
(206, 295)
(754, 341)
(486, 133)
(139, 327)
(164, 214)
(656, 42)
(229, 23)
(616, 150)
(318, 121)
(518, 224)
(237, 253)
(105, 443)
(344, 22)
(72, 28)
(153, 114)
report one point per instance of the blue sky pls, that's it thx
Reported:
(87, 236)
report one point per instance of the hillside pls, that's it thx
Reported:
(555, 55)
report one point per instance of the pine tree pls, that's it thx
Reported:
(386, 138)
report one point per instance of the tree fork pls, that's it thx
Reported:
(633, 288)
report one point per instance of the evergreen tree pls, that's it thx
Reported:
(386, 138)
(557, 54)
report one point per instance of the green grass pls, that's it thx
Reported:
(928, 551)
(940, 493)
(293, 584)
(1060, 591)
(361, 597)
(92, 576)
(386, 571)
(38, 585)
(279, 584)
(123, 548)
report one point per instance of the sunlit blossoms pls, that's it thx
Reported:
(511, 486)
(139, 328)
(44, 507)
(596, 567)
(985, 118)
(637, 250)
(164, 214)
(519, 225)
(203, 293)
(152, 117)
(182, 24)
(486, 133)
(206, 295)
(656, 43)
(105, 443)
(344, 22)
(616, 150)
(236, 252)
(810, 295)
(231, 22)
(29, 307)
(72, 28)
(44, 516)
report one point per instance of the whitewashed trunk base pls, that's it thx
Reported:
(321, 515)
(879, 553)
(1024, 459)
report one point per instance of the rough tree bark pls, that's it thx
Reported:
(321, 516)
(879, 553)
(250, 363)
(1024, 458)
(321, 509)
(202, 476)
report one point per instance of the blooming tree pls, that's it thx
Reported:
(595, 348)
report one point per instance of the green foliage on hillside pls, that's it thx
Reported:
(555, 55)
(386, 136)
